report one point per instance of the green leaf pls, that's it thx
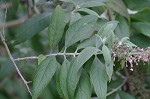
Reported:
(44, 73)
(124, 95)
(63, 77)
(137, 4)
(56, 26)
(30, 27)
(81, 29)
(37, 41)
(75, 69)
(113, 96)
(85, 3)
(107, 28)
(91, 42)
(142, 27)
(118, 6)
(130, 44)
(57, 80)
(89, 11)
(126, 41)
(122, 29)
(114, 84)
(110, 40)
(109, 69)
(47, 94)
(123, 40)
(89, 3)
(84, 87)
(100, 23)
(106, 54)
(67, 0)
(99, 78)
(142, 15)
(41, 58)
(140, 40)
(74, 17)
(67, 16)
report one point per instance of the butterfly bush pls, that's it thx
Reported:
(131, 54)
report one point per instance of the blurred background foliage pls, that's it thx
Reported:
(26, 34)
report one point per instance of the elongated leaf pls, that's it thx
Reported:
(89, 11)
(107, 28)
(63, 78)
(47, 94)
(75, 71)
(57, 80)
(123, 40)
(88, 3)
(100, 23)
(36, 42)
(113, 96)
(141, 40)
(106, 54)
(41, 58)
(84, 87)
(99, 78)
(30, 27)
(124, 95)
(56, 27)
(74, 17)
(79, 30)
(67, 0)
(142, 27)
(142, 15)
(137, 4)
(44, 73)
(92, 3)
(67, 16)
(119, 7)
(122, 29)
(109, 69)
(110, 39)
(91, 42)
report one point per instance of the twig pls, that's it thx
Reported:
(117, 88)
(30, 7)
(14, 22)
(15, 65)
(129, 84)
(55, 54)
(11, 58)
(5, 16)
(5, 6)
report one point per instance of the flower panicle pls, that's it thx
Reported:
(130, 54)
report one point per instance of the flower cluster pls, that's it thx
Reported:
(130, 54)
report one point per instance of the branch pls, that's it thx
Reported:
(14, 22)
(30, 7)
(5, 6)
(15, 65)
(117, 88)
(55, 54)
(11, 58)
